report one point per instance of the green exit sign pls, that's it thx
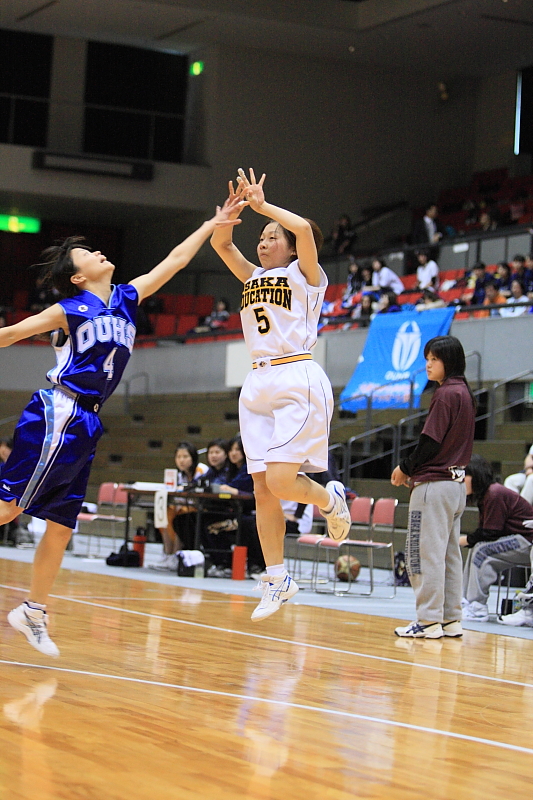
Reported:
(14, 224)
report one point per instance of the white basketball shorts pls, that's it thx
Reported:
(285, 413)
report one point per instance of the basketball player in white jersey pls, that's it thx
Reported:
(286, 402)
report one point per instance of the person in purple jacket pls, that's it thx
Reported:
(501, 541)
(435, 473)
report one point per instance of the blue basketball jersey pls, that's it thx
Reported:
(93, 357)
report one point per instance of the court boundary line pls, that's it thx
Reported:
(324, 648)
(284, 703)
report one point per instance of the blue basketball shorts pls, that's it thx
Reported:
(53, 449)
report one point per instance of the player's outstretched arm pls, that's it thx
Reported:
(179, 257)
(305, 243)
(222, 239)
(47, 320)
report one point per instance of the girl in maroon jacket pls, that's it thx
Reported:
(435, 472)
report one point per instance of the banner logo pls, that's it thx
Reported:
(406, 346)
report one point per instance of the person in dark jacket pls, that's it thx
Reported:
(501, 541)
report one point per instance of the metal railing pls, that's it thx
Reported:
(127, 392)
(494, 409)
(368, 458)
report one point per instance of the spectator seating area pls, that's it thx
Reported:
(408, 298)
(508, 199)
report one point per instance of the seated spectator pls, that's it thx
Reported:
(477, 280)
(354, 280)
(365, 310)
(427, 273)
(179, 533)
(521, 272)
(487, 221)
(387, 303)
(517, 480)
(3, 321)
(216, 319)
(430, 299)
(384, 278)
(220, 529)
(492, 297)
(502, 540)
(343, 235)
(218, 463)
(238, 479)
(503, 276)
(518, 295)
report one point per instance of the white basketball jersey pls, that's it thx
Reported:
(280, 311)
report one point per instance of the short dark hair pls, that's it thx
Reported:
(479, 265)
(520, 258)
(450, 351)
(482, 476)
(58, 266)
(222, 443)
(8, 441)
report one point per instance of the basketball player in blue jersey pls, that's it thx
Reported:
(55, 440)
(286, 401)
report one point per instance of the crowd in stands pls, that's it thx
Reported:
(373, 288)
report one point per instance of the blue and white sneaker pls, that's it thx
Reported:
(338, 520)
(276, 591)
(33, 623)
(415, 630)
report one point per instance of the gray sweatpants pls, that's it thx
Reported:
(487, 559)
(433, 554)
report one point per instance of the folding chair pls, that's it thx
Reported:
(110, 495)
(361, 517)
(308, 540)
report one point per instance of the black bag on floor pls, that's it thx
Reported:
(401, 576)
(124, 558)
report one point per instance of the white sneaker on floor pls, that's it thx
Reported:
(338, 520)
(521, 618)
(452, 628)
(32, 622)
(167, 563)
(416, 630)
(476, 612)
(276, 591)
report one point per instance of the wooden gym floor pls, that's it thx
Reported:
(168, 692)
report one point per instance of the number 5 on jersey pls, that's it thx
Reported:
(263, 322)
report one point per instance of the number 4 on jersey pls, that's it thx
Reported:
(108, 366)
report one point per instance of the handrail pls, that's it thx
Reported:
(493, 410)
(348, 466)
(127, 384)
(342, 447)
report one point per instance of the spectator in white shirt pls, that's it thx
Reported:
(427, 274)
(518, 295)
(385, 278)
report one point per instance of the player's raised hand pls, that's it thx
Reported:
(229, 214)
(251, 188)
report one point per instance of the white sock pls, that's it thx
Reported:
(277, 569)
(329, 506)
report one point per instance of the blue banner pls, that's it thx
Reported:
(393, 354)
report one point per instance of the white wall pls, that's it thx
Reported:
(202, 367)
